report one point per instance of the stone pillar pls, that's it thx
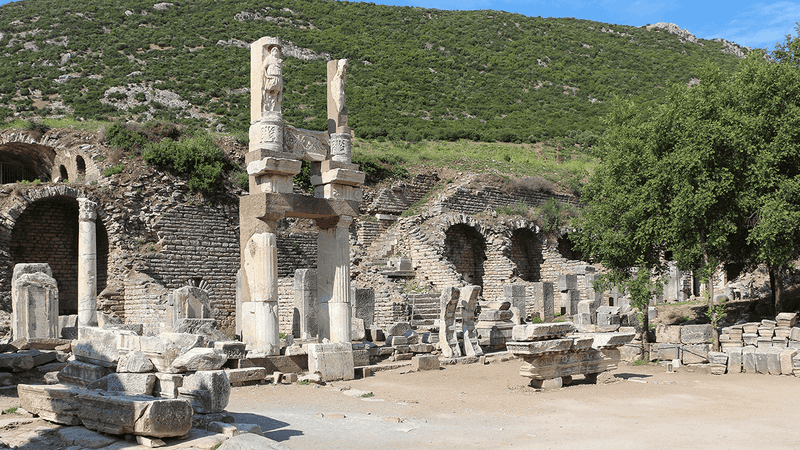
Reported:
(87, 263)
(34, 301)
(468, 297)
(448, 340)
(516, 295)
(305, 304)
(543, 300)
(260, 314)
(333, 281)
(266, 85)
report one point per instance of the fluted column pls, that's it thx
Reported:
(333, 280)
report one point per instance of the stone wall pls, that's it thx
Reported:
(199, 245)
(145, 302)
(492, 198)
(296, 251)
(399, 197)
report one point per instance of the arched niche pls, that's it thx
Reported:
(465, 248)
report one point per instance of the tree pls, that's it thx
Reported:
(788, 51)
(712, 176)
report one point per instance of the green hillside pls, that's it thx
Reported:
(415, 73)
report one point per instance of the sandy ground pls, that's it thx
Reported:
(491, 406)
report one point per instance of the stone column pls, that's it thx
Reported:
(333, 281)
(260, 314)
(87, 263)
(305, 304)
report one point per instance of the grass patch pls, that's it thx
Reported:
(303, 382)
(367, 395)
(12, 410)
(640, 362)
(113, 170)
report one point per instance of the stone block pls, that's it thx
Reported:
(424, 362)
(357, 330)
(107, 412)
(567, 282)
(766, 332)
(734, 360)
(78, 373)
(569, 301)
(203, 327)
(364, 306)
(539, 347)
(396, 340)
(786, 319)
(99, 346)
(126, 383)
(245, 375)
(187, 302)
(34, 303)
(695, 334)
(608, 319)
(537, 332)
(764, 342)
(134, 362)
(82, 438)
(582, 319)
(232, 349)
(795, 334)
(360, 357)
(749, 359)
(668, 352)
(199, 358)
(762, 365)
(543, 300)
(306, 305)
(783, 332)
(495, 315)
(787, 366)
(718, 369)
(162, 349)
(668, 334)
(16, 362)
(695, 353)
(750, 338)
(779, 342)
(717, 358)
(208, 391)
(610, 340)
(333, 361)
(398, 329)
(774, 362)
(421, 348)
(166, 385)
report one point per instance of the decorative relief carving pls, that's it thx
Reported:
(87, 210)
(306, 141)
(272, 83)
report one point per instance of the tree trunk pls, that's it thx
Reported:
(777, 288)
(645, 338)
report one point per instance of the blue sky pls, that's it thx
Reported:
(760, 24)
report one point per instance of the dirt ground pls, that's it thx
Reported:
(491, 406)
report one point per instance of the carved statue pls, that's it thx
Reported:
(272, 90)
(337, 91)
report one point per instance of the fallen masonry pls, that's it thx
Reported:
(552, 352)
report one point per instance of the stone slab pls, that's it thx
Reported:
(126, 383)
(283, 363)
(548, 366)
(78, 373)
(107, 412)
(734, 360)
(245, 375)
(250, 441)
(695, 334)
(16, 362)
(695, 353)
(208, 391)
(536, 332)
(332, 361)
(539, 347)
(424, 362)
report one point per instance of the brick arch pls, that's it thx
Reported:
(9, 219)
(50, 150)
(465, 249)
(46, 230)
(526, 253)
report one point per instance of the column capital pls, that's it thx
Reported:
(87, 210)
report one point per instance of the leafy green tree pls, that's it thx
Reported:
(788, 51)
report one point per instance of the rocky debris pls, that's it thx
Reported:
(163, 6)
(733, 48)
(684, 35)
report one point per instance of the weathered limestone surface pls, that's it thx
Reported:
(332, 361)
(34, 300)
(208, 391)
(80, 374)
(424, 362)
(163, 349)
(468, 298)
(333, 279)
(200, 359)
(188, 302)
(250, 441)
(305, 303)
(107, 412)
(447, 337)
(695, 334)
(87, 263)
(99, 345)
(541, 331)
(16, 362)
(126, 383)
(543, 300)
(260, 314)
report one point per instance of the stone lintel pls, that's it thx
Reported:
(342, 192)
(266, 206)
(324, 166)
(263, 153)
(274, 166)
(339, 176)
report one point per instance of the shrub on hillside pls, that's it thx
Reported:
(196, 157)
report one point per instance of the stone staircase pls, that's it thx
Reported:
(424, 310)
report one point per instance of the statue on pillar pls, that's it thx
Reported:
(337, 92)
(272, 86)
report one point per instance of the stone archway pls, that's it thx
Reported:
(465, 248)
(46, 231)
(526, 254)
(25, 162)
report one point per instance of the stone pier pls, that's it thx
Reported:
(274, 158)
(333, 279)
(87, 263)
